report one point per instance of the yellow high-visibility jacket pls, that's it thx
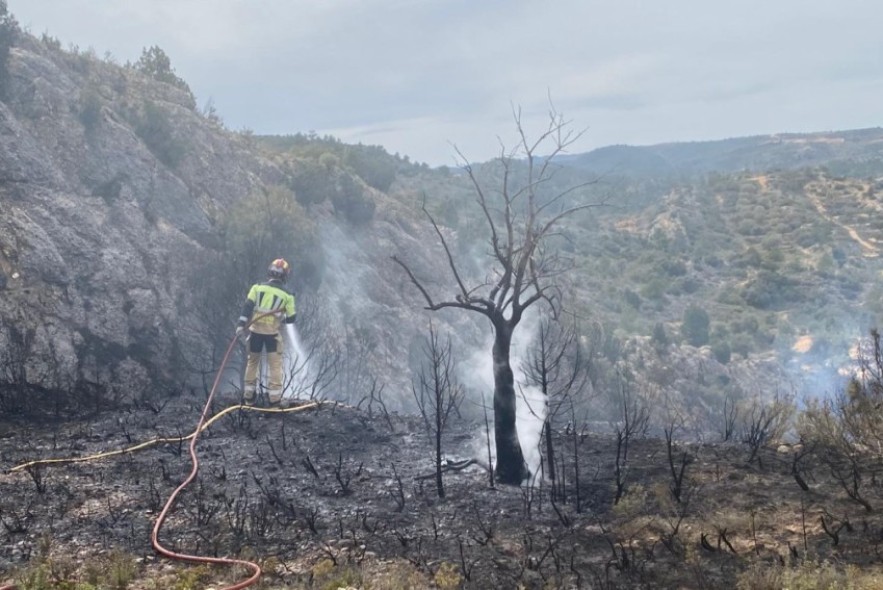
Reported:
(264, 297)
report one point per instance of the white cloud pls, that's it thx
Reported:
(416, 75)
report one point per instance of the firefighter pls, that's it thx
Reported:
(264, 335)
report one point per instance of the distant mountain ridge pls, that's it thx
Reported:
(842, 151)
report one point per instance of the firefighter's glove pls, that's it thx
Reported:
(240, 333)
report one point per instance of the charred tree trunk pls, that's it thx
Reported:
(437, 394)
(439, 428)
(510, 468)
(550, 451)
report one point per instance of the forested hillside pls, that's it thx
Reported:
(764, 279)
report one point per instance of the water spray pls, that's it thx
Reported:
(295, 363)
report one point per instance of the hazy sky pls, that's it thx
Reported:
(420, 76)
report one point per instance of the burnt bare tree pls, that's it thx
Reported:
(357, 378)
(437, 394)
(556, 365)
(765, 422)
(634, 422)
(522, 214)
(677, 465)
(730, 418)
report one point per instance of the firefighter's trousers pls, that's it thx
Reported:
(272, 344)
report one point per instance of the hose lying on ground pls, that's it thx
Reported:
(158, 441)
(201, 425)
(154, 535)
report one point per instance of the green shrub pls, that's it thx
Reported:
(312, 180)
(675, 268)
(51, 43)
(191, 578)
(155, 128)
(90, 109)
(329, 576)
(772, 291)
(402, 576)
(655, 289)
(695, 326)
(722, 352)
(447, 576)
(352, 201)
(156, 64)
(632, 298)
(742, 345)
(689, 285)
(267, 225)
(372, 164)
(659, 337)
(329, 161)
(35, 578)
(110, 190)
(121, 570)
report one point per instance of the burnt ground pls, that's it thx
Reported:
(334, 497)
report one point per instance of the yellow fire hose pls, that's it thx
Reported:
(159, 441)
(192, 437)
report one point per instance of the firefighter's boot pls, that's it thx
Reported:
(275, 396)
(248, 396)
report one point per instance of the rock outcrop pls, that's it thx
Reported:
(98, 226)
(113, 186)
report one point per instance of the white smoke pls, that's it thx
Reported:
(477, 374)
(529, 419)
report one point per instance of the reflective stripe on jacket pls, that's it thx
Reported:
(265, 297)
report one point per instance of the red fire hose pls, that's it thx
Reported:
(154, 536)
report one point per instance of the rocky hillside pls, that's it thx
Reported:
(114, 189)
(99, 226)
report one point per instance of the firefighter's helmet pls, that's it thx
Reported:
(279, 269)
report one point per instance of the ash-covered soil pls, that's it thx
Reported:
(334, 497)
